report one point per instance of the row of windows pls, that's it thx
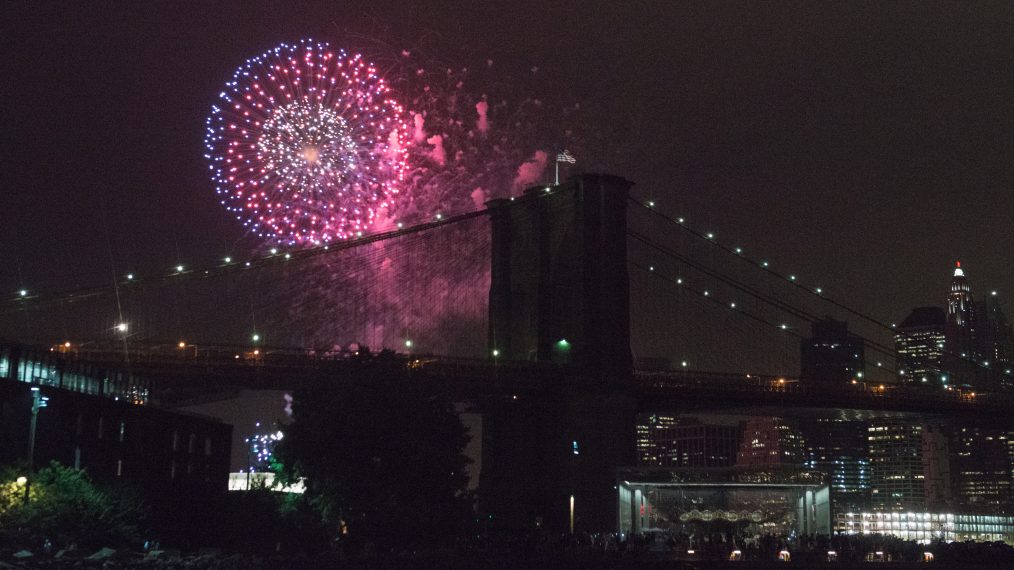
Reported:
(120, 435)
(86, 379)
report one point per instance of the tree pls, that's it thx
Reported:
(65, 507)
(382, 458)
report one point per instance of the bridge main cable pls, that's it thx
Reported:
(791, 280)
(235, 267)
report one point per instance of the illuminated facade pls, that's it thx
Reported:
(910, 466)
(838, 448)
(920, 341)
(653, 431)
(927, 527)
(770, 441)
(983, 470)
(896, 463)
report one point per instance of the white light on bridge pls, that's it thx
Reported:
(651, 204)
(122, 327)
(130, 277)
(179, 269)
(785, 327)
(228, 260)
(23, 292)
(408, 343)
(739, 250)
(256, 337)
(496, 353)
(683, 364)
(711, 235)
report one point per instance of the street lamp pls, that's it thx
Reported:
(38, 402)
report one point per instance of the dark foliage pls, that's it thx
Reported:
(382, 456)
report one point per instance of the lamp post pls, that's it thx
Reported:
(38, 402)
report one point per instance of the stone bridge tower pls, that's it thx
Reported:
(559, 293)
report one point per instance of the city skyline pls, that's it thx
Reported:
(852, 173)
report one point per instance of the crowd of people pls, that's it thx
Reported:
(731, 547)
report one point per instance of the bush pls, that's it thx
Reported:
(65, 507)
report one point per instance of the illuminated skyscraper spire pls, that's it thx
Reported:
(960, 328)
(959, 300)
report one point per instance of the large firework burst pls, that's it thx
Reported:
(306, 144)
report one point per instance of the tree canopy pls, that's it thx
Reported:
(382, 457)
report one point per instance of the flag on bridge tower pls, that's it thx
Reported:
(564, 156)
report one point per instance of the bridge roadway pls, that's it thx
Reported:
(179, 375)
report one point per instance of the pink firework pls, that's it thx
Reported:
(306, 144)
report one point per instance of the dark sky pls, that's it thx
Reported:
(864, 146)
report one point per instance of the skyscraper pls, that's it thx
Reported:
(994, 340)
(669, 441)
(920, 341)
(910, 462)
(653, 435)
(831, 354)
(960, 328)
(839, 448)
(982, 470)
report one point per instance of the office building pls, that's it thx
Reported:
(831, 355)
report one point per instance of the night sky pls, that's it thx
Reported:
(862, 146)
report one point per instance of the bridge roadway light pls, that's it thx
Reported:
(179, 269)
(23, 292)
(130, 277)
(255, 337)
(496, 353)
(227, 260)
(683, 364)
(408, 343)
(121, 327)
